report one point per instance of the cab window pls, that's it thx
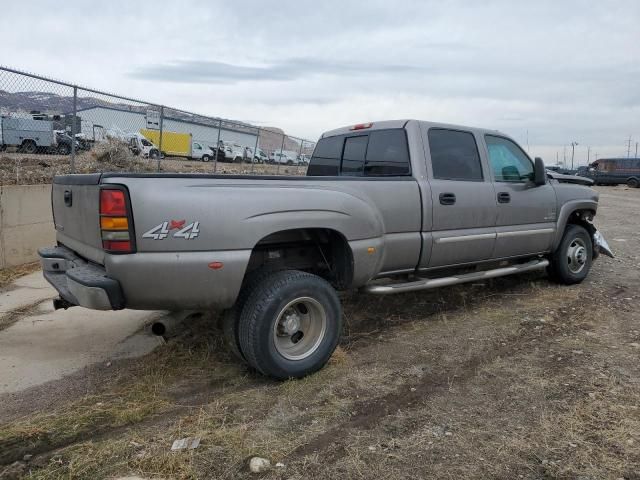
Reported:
(508, 162)
(454, 155)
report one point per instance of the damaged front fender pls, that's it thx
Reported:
(601, 245)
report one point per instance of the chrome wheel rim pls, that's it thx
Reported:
(299, 328)
(577, 255)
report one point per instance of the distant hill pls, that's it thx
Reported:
(45, 102)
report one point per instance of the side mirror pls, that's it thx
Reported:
(539, 172)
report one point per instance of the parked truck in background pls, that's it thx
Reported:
(27, 135)
(175, 144)
(284, 157)
(614, 171)
(140, 145)
(387, 207)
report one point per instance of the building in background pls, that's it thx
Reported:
(124, 122)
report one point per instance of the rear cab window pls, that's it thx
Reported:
(454, 155)
(379, 153)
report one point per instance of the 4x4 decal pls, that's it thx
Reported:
(162, 231)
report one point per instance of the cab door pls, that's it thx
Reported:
(527, 212)
(462, 198)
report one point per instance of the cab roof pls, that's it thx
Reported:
(387, 124)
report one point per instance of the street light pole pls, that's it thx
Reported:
(573, 151)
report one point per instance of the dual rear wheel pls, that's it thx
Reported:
(285, 324)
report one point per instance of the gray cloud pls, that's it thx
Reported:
(198, 71)
(560, 70)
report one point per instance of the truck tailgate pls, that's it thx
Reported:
(75, 201)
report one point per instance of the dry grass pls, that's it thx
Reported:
(514, 378)
(9, 274)
(113, 156)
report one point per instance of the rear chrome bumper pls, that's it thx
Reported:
(79, 282)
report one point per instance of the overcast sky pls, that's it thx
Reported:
(562, 70)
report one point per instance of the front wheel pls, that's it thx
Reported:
(154, 154)
(29, 146)
(290, 324)
(205, 158)
(571, 262)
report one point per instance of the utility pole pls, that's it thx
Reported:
(573, 151)
(564, 155)
(629, 147)
(588, 155)
(636, 149)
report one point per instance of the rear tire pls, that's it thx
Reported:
(571, 262)
(29, 146)
(231, 316)
(633, 183)
(290, 324)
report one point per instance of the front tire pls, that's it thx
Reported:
(205, 158)
(29, 146)
(571, 262)
(290, 324)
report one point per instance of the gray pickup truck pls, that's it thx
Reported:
(389, 207)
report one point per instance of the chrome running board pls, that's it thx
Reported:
(427, 283)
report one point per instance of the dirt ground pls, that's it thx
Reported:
(512, 378)
(23, 169)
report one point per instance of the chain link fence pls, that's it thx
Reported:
(48, 127)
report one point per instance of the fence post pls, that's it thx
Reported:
(255, 150)
(73, 129)
(280, 157)
(160, 141)
(215, 162)
(299, 157)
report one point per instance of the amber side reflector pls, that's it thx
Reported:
(114, 223)
(371, 250)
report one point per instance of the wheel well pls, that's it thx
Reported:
(322, 251)
(583, 218)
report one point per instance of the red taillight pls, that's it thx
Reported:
(115, 223)
(112, 202)
(362, 126)
(117, 245)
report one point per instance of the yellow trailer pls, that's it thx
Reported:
(174, 144)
